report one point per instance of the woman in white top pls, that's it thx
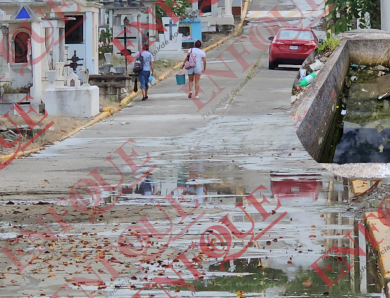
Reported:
(197, 70)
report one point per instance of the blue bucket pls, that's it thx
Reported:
(181, 79)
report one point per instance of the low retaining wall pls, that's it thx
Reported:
(315, 110)
(113, 87)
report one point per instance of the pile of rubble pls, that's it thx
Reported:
(22, 132)
(8, 135)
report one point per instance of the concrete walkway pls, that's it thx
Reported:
(169, 125)
(241, 141)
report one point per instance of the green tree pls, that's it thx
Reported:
(105, 38)
(180, 10)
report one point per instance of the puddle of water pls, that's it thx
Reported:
(360, 132)
(281, 268)
(277, 265)
(253, 277)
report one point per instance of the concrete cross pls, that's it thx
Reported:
(170, 29)
(125, 38)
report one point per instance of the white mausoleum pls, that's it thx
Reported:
(36, 36)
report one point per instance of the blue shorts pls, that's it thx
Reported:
(144, 79)
(196, 70)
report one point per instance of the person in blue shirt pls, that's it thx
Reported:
(148, 70)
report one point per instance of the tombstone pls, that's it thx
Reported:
(73, 99)
(133, 3)
(106, 69)
(51, 75)
(60, 79)
(169, 45)
(5, 72)
(72, 80)
(60, 70)
(191, 30)
(171, 29)
(127, 36)
(84, 75)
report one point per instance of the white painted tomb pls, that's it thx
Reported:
(73, 99)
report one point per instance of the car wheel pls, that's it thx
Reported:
(272, 65)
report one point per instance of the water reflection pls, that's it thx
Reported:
(254, 277)
(280, 262)
(361, 129)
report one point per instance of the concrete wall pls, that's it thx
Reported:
(318, 103)
(369, 52)
(314, 111)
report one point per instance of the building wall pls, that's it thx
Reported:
(79, 48)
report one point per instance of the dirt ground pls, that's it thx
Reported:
(68, 255)
(62, 125)
(214, 38)
(105, 102)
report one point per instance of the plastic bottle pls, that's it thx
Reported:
(307, 80)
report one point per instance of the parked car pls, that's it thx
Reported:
(291, 46)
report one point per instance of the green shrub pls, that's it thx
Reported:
(328, 45)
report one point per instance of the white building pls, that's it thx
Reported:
(35, 35)
(113, 13)
(82, 34)
(219, 14)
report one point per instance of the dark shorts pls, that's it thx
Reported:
(144, 79)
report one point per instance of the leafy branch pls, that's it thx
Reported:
(180, 10)
(343, 15)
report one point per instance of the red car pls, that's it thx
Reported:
(291, 46)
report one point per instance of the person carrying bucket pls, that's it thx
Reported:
(193, 64)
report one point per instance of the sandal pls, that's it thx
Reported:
(196, 96)
(190, 94)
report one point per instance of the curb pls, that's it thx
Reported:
(107, 111)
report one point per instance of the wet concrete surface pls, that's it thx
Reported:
(242, 144)
(275, 265)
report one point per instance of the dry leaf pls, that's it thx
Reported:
(307, 283)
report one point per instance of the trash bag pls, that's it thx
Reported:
(152, 80)
(316, 65)
(135, 85)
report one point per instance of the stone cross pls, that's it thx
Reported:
(125, 51)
